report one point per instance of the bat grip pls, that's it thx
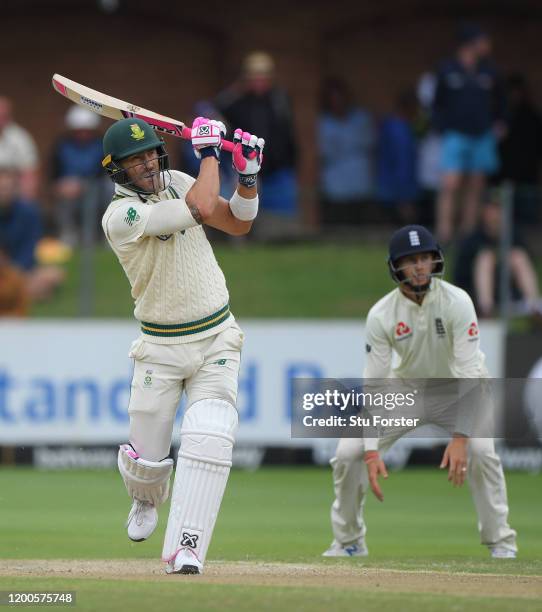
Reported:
(227, 145)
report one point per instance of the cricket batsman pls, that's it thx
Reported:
(189, 338)
(431, 329)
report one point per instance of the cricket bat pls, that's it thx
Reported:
(107, 106)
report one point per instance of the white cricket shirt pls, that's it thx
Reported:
(437, 339)
(177, 285)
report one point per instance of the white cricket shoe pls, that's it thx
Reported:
(359, 549)
(498, 552)
(142, 520)
(185, 562)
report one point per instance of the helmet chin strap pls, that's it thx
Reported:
(418, 289)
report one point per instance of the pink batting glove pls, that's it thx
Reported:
(207, 134)
(247, 156)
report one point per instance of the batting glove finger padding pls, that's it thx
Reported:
(247, 156)
(207, 134)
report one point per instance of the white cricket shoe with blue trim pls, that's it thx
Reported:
(498, 552)
(358, 549)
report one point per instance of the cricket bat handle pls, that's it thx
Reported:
(227, 145)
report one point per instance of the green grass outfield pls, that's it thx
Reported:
(273, 515)
(305, 280)
(300, 280)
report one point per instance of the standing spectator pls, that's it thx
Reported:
(76, 160)
(397, 185)
(521, 148)
(346, 138)
(478, 266)
(13, 289)
(469, 111)
(17, 145)
(429, 150)
(261, 107)
(20, 231)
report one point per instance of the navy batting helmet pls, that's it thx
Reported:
(410, 240)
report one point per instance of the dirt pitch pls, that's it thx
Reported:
(289, 574)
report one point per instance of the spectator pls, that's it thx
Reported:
(521, 148)
(477, 268)
(429, 151)
(76, 160)
(20, 231)
(397, 185)
(13, 290)
(469, 111)
(256, 104)
(346, 138)
(17, 145)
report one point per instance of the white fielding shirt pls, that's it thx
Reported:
(439, 339)
(179, 290)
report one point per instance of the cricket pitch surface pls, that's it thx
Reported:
(287, 574)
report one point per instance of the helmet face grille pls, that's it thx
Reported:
(119, 174)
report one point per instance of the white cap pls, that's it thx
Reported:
(79, 118)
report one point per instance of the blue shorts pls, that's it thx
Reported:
(467, 154)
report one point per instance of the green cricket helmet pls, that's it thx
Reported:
(128, 137)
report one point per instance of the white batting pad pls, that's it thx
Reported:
(145, 480)
(203, 466)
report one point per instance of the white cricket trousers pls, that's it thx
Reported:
(204, 369)
(484, 474)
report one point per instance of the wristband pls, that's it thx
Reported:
(248, 180)
(244, 209)
(371, 456)
(209, 152)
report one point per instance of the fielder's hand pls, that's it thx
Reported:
(247, 156)
(455, 458)
(376, 468)
(207, 137)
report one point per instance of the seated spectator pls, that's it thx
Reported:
(77, 159)
(346, 139)
(477, 267)
(20, 231)
(17, 145)
(14, 298)
(397, 185)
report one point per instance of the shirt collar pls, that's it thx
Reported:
(125, 192)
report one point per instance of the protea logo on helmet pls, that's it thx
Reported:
(137, 132)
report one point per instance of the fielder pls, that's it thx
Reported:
(430, 327)
(190, 341)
